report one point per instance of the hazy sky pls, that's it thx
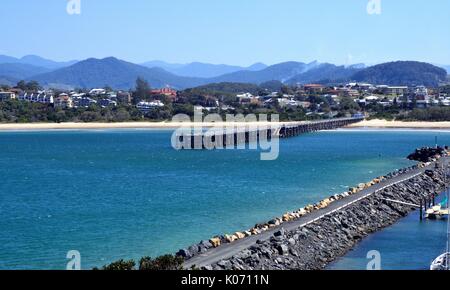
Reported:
(229, 31)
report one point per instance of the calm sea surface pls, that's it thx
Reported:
(117, 194)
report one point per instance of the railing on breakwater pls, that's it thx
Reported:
(233, 137)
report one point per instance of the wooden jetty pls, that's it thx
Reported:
(292, 130)
(217, 138)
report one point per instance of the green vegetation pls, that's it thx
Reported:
(406, 73)
(434, 114)
(15, 111)
(120, 265)
(225, 88)
(166, 262)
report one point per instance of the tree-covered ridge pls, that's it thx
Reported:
(325, 73)
(406, 73)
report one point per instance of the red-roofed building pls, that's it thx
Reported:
(169, 92)
(313, 88)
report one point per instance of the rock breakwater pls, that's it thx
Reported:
(314, 245)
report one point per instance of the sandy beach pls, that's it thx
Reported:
(124, 125)
(399, 125)
(371, 124)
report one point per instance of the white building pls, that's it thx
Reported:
(6, 96)
(288, 102)
(83, 101)
(97, 92)
(145, 107)
(63, 101)
(36, 98)
(421, 90)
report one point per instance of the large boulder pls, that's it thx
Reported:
(184, 253)
(215, 242)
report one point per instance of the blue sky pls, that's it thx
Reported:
(229, 31)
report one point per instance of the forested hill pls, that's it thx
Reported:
(407, 73)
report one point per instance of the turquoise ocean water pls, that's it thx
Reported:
(113, 194)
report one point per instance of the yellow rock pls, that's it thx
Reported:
(231, 238)
(239, 235)
(215, 242)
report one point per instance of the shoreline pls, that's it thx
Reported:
(124, 125)
(384, 124)
(367, 124)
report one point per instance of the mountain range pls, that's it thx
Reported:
(202, 70)
(121, 74)
(37, 61)
(112, 72)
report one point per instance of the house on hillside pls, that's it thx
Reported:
(107, 102)
(63, 101)
(39, 97)
(146, 107)
(6, 96)
(313, 88)
(288, 102)
(393, 90)
(83, 102)
(168, 92)
(97, 92)
(248, 98)
(123, 97)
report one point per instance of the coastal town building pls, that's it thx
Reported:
(97, 92)
(123, 97)
(146, 107)
(314, 88)
(393, 90)
(168, 92)
(247, 98)
(83, 102)
(63, 101)
(107, 102)
(288, 102)
(6, 96)
(39, 97)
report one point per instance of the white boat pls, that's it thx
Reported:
(441, 263)
(437, 212)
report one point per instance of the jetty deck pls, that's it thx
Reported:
(227, 251)
(232, 137)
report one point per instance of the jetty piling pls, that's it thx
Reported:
(421, 210)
